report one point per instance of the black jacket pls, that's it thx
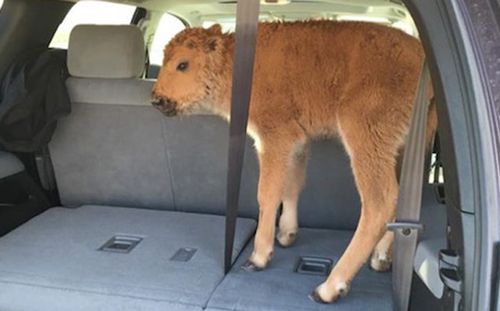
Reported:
(33, 96)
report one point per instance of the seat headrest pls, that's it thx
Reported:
(106, 51)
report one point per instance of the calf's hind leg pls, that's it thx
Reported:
(295, 177)
(381, 260)
(373, 166)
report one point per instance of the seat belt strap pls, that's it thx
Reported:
(247, 12)
(407, 224)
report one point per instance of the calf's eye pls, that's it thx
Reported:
(182, 66)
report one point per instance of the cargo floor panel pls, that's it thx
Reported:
(174, 258)
(279, 287)
(13, 298)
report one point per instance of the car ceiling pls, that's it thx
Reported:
(197, 11)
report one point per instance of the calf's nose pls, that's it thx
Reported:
(157, 102)
(170, 108)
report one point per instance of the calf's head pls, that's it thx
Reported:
(187, 78)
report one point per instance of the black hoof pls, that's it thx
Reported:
(314, 296)
(249, 266)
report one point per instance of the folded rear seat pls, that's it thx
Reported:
(115, 180)
(55, 258)
(285, 287)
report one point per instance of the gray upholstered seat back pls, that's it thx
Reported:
(330, 198)
(116, 149)
(110, 149)
(197, 147)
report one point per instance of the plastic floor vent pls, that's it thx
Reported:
(314, 265)
(121, 244)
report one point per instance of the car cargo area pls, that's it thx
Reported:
(61, 252)
(141, 219)
(58, 254)
(57, 260)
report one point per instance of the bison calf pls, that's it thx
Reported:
(349, 80)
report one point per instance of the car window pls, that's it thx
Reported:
(228, 23)
(168, 27)
(91, 12)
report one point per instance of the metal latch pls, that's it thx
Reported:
(449, 263)
(406, 227)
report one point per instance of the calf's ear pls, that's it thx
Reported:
(215, 29)
(214, 38)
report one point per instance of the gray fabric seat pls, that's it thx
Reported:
(110, 149)
(279, 287)
(197, 150)
(108, 154)
(54, 260)
(116, 149)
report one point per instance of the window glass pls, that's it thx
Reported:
(168, 27)
(228, 23)
(91, 12)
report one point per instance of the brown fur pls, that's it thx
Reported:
(354, 81)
